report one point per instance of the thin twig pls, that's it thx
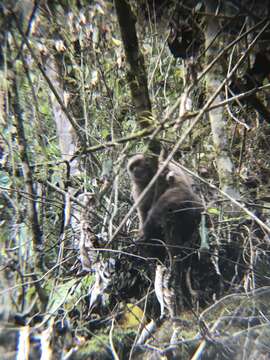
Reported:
(114, 353)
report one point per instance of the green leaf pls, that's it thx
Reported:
(60, 295)
(213, 211)
(105, 133)
(44, 109)
(4, 180)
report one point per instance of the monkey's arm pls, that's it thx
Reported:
(152, 227)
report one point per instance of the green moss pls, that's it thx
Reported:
(98, 347)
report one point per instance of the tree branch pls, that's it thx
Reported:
(29, 184)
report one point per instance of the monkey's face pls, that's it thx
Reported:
(140, 170)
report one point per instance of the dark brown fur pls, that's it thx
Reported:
(173, 219)
(141, 170)
(169, 217)
(170, 211)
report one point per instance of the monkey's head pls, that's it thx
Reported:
(141, 169)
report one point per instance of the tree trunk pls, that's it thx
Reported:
(136, 73)
(214, 78)
(65, 131)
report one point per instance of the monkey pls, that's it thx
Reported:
(185, 37)
(180, 39)
(170, 234)
(175, 174)
(169, 215)
(253, 78)
(141, 170)
(170, 211)
(174, 219)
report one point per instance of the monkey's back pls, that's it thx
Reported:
(174, 218)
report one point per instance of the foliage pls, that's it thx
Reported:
(81, 43)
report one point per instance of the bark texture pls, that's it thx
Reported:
(214, 79)
(136, 73)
